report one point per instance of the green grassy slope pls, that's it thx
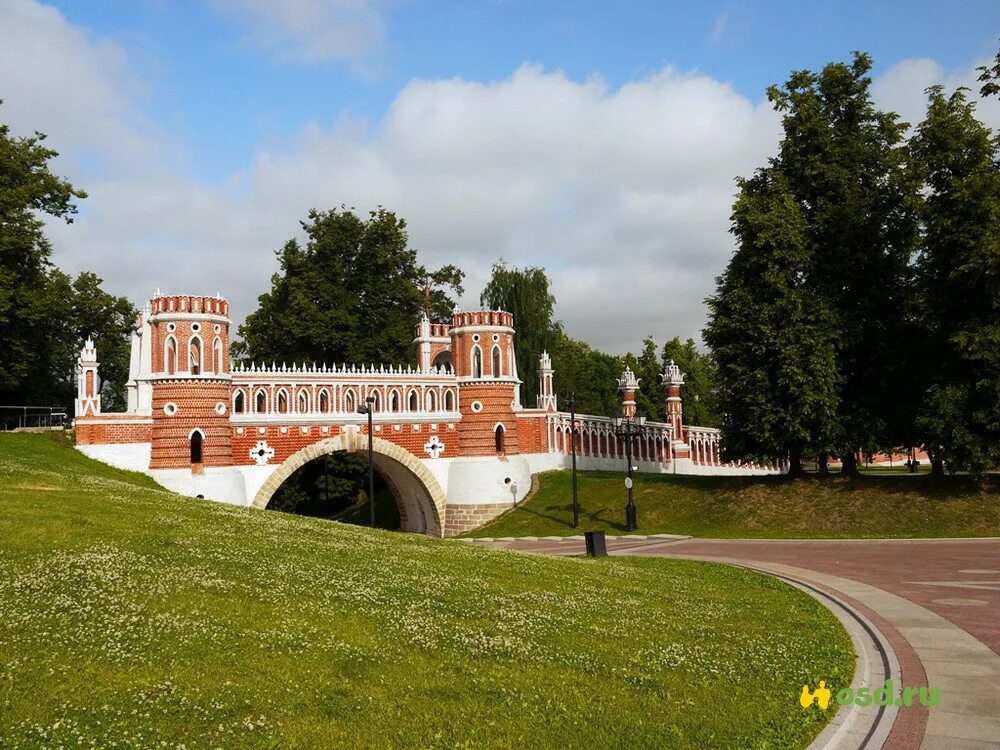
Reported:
(869, 506)
(130, 616)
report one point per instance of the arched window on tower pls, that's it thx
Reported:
(477, 362)
(449, 401)
(196, 438)
(194, 355)
(239, 404)
(413, 401)
(496, 362)
(498, 435)
(170, 355)
(443, 359)
(260, 405)
(217, 355)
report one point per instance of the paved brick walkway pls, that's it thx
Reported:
(936, 601)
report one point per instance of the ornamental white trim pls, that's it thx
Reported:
(262, 453)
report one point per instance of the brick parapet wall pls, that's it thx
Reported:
(95, 431)
(291, 438)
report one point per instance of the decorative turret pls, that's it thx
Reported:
(673, 379)
(482, 350)
(546, 395)
(88, 400)
(433, 345)
(190, 346)
(628, 384)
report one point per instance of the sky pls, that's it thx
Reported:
(598, 140)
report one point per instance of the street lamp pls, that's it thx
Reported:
(371, 468)
(571, 403)
(628, 429)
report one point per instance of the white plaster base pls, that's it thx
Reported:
(224, 484)
(130, 456)
(488, 480)
(557, 461)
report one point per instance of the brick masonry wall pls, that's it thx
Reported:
(92, 432)
(288, 439)
(476, 430)
(196, 402)
(462, 518)
(531, 435)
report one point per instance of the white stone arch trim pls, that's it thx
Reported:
(302, 394)
(217, 355)
(496, 361)
(431, 403)
(193, 339)
(476, 357)
(324, 391)
(278, 393)
(394, 401)
(170, 362)
(196, 429)
(257, 393)
(412, 400)
(351, 442)
(237, 392)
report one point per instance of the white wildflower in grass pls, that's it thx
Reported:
(132, 618)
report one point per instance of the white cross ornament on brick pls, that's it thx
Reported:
(262, 453)
(434, 447)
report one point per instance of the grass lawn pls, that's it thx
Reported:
(727, 507)
(131, 617)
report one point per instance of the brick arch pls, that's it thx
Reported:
(419, 496)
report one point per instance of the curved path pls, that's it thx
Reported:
(936, 602)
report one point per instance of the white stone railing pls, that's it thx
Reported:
(596, 438)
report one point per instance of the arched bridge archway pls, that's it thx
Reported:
(419, 496)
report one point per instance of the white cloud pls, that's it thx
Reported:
(622, 194)
(312, 30)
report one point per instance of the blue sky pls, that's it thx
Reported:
(591, 138)
(211, 81)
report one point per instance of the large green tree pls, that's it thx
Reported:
(45, 314)
(590, 374)
(354, 293)
(774, 339)
(845, 164)
(524, 292)
(959, 273)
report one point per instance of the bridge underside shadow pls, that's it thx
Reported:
(420, 498)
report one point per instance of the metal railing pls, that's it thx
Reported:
(23, 417)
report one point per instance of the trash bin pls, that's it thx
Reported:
(596, 545)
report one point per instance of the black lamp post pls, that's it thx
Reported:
(371, 467)
(628, 429)
(571, 403)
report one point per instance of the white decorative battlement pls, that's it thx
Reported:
(672, 375)
(313, 368)
(88, 355)
(628, 381)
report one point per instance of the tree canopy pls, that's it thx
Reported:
(354, 293)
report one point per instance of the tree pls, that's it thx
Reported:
(774, 340)
(591, 374)
(524, 292)
(959, 275)
(651, 397)
(845, 166)
(989, 76)
(354, 293)
(109, 320)
(34, 297)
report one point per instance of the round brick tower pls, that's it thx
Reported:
(191, 382)
(482, 352)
